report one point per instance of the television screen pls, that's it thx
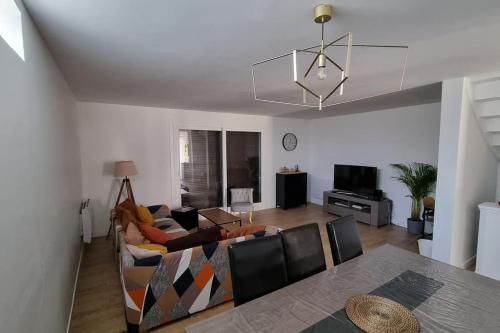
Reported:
(354, 178)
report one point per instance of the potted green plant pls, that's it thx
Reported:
(419, 178)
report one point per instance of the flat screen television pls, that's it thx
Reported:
(355, 179)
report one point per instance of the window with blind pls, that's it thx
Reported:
(243, 162)
(201, 168)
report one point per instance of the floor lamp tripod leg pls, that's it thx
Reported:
(129, 191)
(109, 229)
(116, 205)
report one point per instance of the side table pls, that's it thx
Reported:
(187, 217)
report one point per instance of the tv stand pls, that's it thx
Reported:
(372, 212)
(352, 194)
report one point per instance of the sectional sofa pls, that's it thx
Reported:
(177, 284)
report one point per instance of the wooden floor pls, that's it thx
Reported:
(98, 303)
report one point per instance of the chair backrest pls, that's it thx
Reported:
(241, 195)
(257, 268)
(344, 239)
(303, 251)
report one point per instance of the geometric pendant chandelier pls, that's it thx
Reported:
(320, 65)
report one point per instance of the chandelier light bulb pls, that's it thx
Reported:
(322, 73)
(321, 64)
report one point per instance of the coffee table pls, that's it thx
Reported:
(219, 217)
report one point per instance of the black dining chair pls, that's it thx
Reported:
(257, 268)
(303, 251)
(344, 239)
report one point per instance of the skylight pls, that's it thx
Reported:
(11, 26)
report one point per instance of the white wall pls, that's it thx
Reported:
(446, 185)
(146, 135)
(466, 168)
(300, 156)
(478, 166)
(40, 189)
(378, 138)
(498, 183)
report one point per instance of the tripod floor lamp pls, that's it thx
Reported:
(124, 169)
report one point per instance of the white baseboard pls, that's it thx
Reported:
(317, 201)
(99, 234)
(469, 263)
(74, 287)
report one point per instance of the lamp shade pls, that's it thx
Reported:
(125, 169)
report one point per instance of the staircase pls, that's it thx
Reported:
(486, 97)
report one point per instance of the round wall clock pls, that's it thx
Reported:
(289, 141)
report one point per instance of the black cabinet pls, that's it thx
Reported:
(291, 189)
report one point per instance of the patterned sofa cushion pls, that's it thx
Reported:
(159, 211)
(171, 227)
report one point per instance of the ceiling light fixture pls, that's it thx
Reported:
(322, 14)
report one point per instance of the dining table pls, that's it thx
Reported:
(442, 297)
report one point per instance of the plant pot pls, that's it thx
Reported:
(415, 227)
(425, 247)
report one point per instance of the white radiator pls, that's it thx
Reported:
(86, 218)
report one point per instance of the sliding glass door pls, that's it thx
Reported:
(243, 162)
(202, 161)
(200, 154)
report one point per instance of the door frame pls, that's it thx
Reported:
(175, 158)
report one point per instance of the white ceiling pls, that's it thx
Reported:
(430, 93)
(197, 54)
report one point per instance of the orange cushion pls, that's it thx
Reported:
(223, 234)
(154, 234)
(129, 205)
(126, 217)
(246, 230)
(133, 235)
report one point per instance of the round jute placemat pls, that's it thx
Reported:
(375, 314)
